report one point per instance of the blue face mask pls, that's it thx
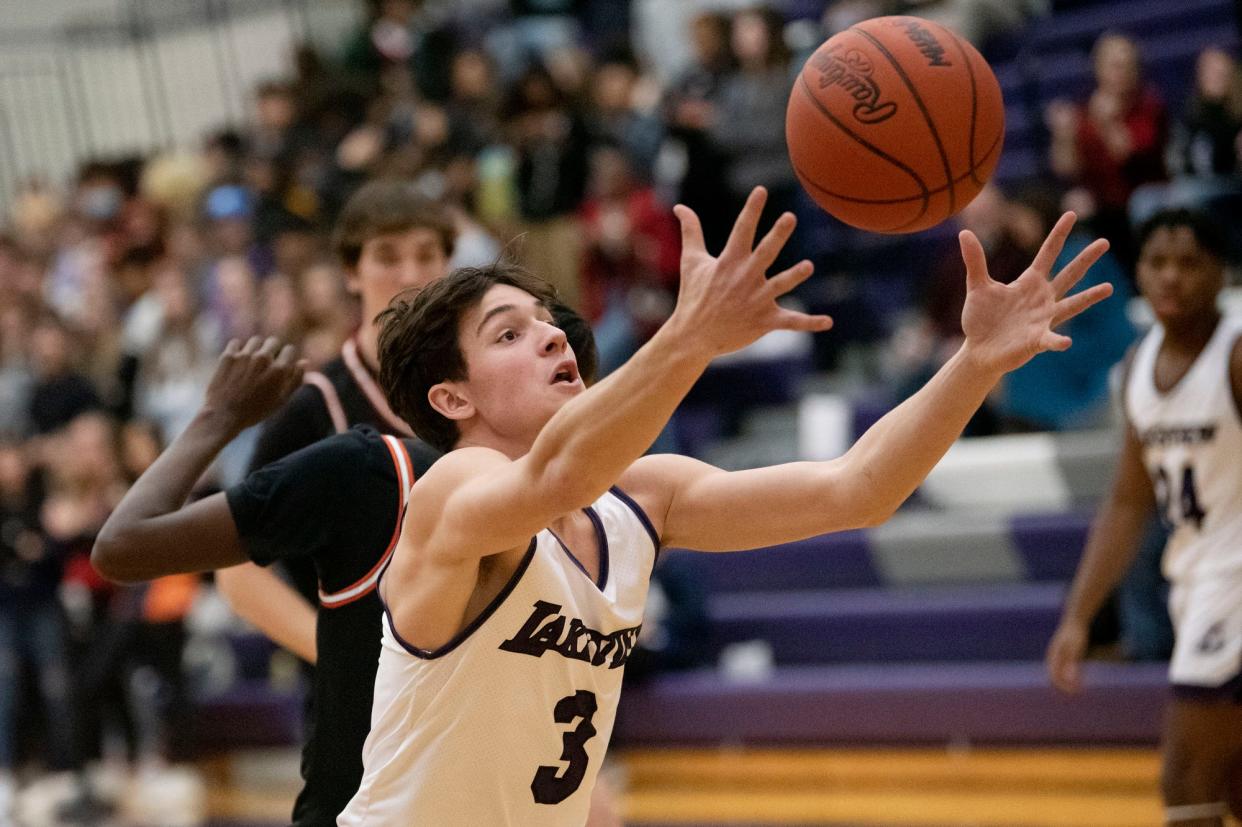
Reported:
(100, 203)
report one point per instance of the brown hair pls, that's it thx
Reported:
(383, 207)
(419, 346)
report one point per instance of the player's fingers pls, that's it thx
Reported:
(742, 238)
(270, 346)
(691, 228)
(1071, 306)
(771, 244)
(795, 320)
(233, 347)
(252, 345)
(287, 355)
(1051, 248)
(1054, 341)
(1076, 269)
(976, 262)
(786, 280)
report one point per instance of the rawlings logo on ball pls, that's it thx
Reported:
(926, 42)
(852, 72)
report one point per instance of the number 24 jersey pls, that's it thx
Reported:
(507, 723)
(1192, 448)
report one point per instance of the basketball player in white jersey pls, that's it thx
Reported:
(514, 601)
(1182, 458)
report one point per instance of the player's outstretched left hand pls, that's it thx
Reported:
(253, 380)
(1007, 324)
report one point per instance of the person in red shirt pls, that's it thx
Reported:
(629, 267)
(1114, 143)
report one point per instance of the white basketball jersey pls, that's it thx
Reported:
(1192, 447)
(508, 722)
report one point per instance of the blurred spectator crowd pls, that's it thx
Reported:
(545, 137)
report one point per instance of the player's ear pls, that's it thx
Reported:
(448, 401)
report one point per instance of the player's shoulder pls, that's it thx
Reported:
(462, 464)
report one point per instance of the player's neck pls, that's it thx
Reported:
(483, 437)
(368, 347)
(1191, 335)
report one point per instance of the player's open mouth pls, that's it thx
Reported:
(566, 372)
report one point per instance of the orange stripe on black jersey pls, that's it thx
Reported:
(366, 584)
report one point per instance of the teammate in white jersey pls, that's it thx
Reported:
(1181, 458)
(514, 599)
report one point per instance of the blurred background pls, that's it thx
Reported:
(169, 173)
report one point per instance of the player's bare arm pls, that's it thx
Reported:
(1111, 547)
(708, 509)
(486, 503)
(150, 534)
(260, 597)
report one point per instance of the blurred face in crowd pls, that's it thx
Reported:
(319, 293)
(175, 299)
(1215, 74)
(613, 87)
(610, 173)
(275, 110)
(1178, 277)
(751, 39)
(12, 469)
(985, 216)
(139, 448)
(471, 76)
(394, 262)
(1117, 65)
(88, 455)
(49, 351)
(708, 39)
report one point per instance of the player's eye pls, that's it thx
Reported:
(509, 335)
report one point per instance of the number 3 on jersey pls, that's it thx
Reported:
(548, 787)
(1186, 509)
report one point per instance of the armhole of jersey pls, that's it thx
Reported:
(330, 398)
(368, 582)
(642, 518)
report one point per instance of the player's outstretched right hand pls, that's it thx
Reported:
(726, 302)
(253, 380)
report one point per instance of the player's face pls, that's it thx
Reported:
(1178, 277)
(520, 367)
(395, 262)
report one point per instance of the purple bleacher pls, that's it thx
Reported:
(896, 704)
(1050, 544)
(1079, 29)
(998, 622)
(251, 714)
(832, 561)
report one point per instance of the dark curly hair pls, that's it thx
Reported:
(419, 346)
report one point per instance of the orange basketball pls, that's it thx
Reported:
(895, 124)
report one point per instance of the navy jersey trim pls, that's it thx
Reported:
(601, 542)
(1230, 691)
(642, 517)
(460, 637)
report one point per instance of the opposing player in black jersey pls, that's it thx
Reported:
(388, 238)
(335, 503)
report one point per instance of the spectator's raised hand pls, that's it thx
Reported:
(726, 301)
(1007, 324)
(253, 380)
